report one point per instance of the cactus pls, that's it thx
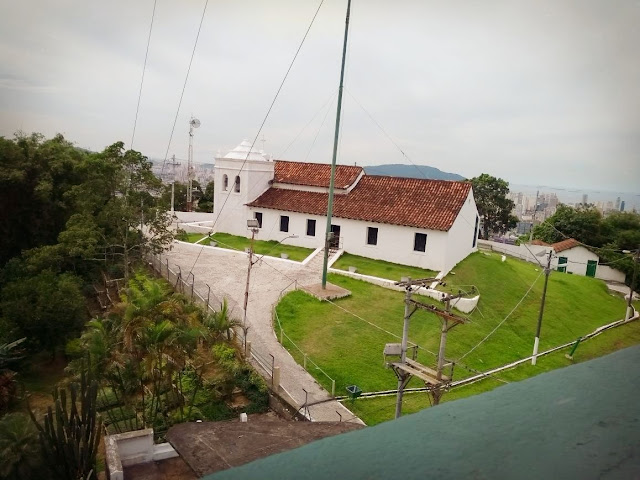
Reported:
(70, 434)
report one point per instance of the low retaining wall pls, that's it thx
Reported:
(132, 448)
(465, 305)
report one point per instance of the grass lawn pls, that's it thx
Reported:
(260, 247)
(380, 409)
(380, 268)
(350, 350)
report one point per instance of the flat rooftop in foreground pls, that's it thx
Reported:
(582, 421)
(209, 447)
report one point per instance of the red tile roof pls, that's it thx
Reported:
(565, 245)
(541, 243)
(430, 204)
(314, 174)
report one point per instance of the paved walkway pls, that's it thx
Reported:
(226, 272)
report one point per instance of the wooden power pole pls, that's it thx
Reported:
(407, 368)
(536, 342)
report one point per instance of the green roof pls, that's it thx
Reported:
(582, 421)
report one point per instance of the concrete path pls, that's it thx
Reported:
(226, 272)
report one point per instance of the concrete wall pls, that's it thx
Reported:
(607, 273)
(518, 251)
(577, 258)
(132, 448)
(254, 180)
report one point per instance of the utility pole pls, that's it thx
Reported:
(328, 234)
(173, 182)
(536, 342)
(533, 218)
(633, 285)
(407, 368)
(254, 226)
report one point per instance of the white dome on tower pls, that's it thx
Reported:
(244, 151)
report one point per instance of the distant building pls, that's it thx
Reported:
(622, 206)
(523, 228)
(618, 203)
(585, 199)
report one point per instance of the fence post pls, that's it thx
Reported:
(208, 295)
(167, 268)
(275, 378)
(248, 351)
(305, 361)
(281, 336)
(333, 388)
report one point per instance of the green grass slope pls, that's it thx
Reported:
(349, 347)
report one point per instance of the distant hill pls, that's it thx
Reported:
(412, 171)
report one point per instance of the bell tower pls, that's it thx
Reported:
(240, 176)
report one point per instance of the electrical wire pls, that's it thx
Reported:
(505, 318)
(331, 97)
(263, 121)
(144, 68)
(422, 174)
(184, 86)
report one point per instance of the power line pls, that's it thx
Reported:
(186, 78)
(505, 319)
(286, 75)
(331, 97)
(144, 68)
(317, 133)
(422, 174)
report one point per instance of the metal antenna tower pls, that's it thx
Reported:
(193, 123)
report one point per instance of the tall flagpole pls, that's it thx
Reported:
(327, 236)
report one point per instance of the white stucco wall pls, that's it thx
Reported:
(254, 180)
(395, 243)
(578, 257)
(460, 235)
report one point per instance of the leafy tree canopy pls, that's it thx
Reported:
(493, 205)
(47, 308)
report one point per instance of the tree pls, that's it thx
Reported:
(35, 178)
(493, 205)
(47, 308)
(116, 198)
(582, 223)
(206, 201)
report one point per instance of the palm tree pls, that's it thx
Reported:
(220, 323)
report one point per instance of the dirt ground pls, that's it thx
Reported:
(170, 469)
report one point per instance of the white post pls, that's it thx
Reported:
(536, 343)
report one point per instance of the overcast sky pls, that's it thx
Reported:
(538, 93)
